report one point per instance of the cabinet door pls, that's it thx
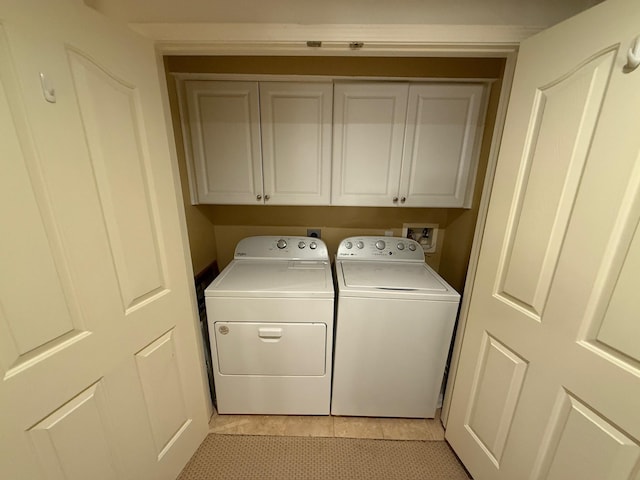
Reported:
(444, 128)
(225, 141)
(369, 120)
(295, 120)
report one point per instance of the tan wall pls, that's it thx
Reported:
(214, 230)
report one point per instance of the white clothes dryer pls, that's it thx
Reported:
(394, 323)
(270, 314)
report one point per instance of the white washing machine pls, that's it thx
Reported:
(394, 322)
(270, 314)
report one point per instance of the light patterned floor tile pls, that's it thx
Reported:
(227, 423)
(263, 425)
(435, 431)
(357, 427)
(404, 428)
(309, 426)
(329, 426)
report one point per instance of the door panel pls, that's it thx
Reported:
(562, 123)
(65, 454)
(582, 444)
(609, 328)
(94, 272)
(162, 387)
(553, 286)
(26, 248)
(110, 111)
(498, 380)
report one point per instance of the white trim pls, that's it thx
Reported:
(479, 232)
(289, 39)
(261, 77)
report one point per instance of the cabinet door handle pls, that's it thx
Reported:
(403, 199)
(395, 199)
(258, 197)
(267, 197)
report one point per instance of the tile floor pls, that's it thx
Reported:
(327, 426)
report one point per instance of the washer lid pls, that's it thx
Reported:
(273, 278)
(379, 278)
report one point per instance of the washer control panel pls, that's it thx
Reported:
(380, 248)
(291, 248)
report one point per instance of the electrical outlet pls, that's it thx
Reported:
(314, 232)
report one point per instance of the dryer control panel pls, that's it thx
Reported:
(380, 248)
(282, 248)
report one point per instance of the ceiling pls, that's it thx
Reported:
(530, 13)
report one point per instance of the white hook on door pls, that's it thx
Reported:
(48, 92)
(633, 56)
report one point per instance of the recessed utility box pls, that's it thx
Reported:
(426, 234)
(314, 232)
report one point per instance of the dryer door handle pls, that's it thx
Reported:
(270, 333)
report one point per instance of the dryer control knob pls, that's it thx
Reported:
(301, 244)
(348, 245)
(360, 245)
(313, 245)
(400, 246)
(412, 247)
(281, 243)
(380, 244)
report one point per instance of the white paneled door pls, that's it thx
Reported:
(548, 385)
(99, 371)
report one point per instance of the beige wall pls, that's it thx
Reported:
(214, 230)
(233, 223)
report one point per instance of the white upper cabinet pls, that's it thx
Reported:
(412, 145)
(368, 130)
(364, 143)
(442, 141)
(259, 142)
(224, 136)
(296, 142)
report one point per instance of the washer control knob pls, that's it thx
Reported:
(301, 244)
(313, 245)
(348, 245)
(281, 243)
(412, 247)
(400, 246)
(360, 245)
(380, 244)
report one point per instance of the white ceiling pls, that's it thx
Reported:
(533, 13)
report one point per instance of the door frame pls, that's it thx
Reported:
(378, 40)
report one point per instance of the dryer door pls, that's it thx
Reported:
(277, 349)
